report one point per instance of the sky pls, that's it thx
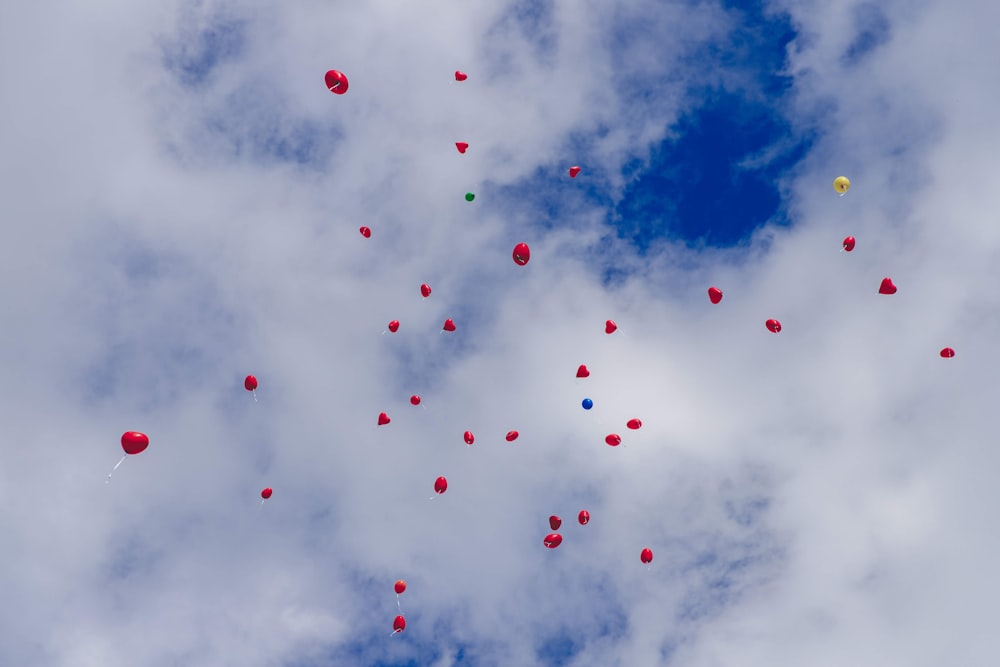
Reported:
(182, 199)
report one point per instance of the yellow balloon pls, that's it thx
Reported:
(842, 184)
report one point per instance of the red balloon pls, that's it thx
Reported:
(415, 400)
(394, 326)
(714, 294)
(336, 82)
(774, 326)
(461, 146)
(521, 254)
(425, 289)
(469, 438)
(887, 287)
(399, 586)
(947, 353)
(399, 624)
(610, 326)
(266, 493)
(512, 436)
(383, 419)
(646, 555)
(552, 540)
(134, 442)
(460, 76)
(634, 424)
(554, 522)
(582, 371)
(449, 325)
(573, 171)
(366, 232)
(614, 440)
(849, 243)
(250, 383)
(440, 485)
(583, 517)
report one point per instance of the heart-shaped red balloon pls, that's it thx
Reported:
(383, 419)
(449, 325)
(887, 287)
(573, 171)
(512, 436)
(366, 232)
(774, 326)
(634, 424)
(521, 254)
(849, 243)
(394, 326)
(414, 400)
(582, 371)
(614, 440)
(583, 517)
(552, 540)
(469, 438)
(461, 146)
(134, 442)
(266, 493)
(460, 76)
(947, 353)
(425, 289)
(554, 522)
(714, 294)
(610, 327)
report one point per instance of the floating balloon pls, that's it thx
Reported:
(461, 146)
(449, 325)
(469, 438)
(646, 555)
(554, 522)
(842, 184)
(336, 82)
(583, 517)
(266, 493)
(849, 244)
(440, 485)
(394, 326)
(774, 326)
(887, 287)
(714, 294)
(610, 327)
(414, 400)
(587, 404)
(511, 436)
(469, 196)
(134, 442)
(614, 440)
(573, 171)
(399, 586)
(383, 419)
(947, 353)
(398, 624)
(250, 383)
(552, 540)
(425, 290)
(521, 254)
(634, 424)
(366, 232)
(460, 76)
(582, 371)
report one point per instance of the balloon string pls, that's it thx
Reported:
(108, 480)
(254, 392)
(397, 602)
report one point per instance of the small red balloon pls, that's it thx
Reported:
(461, 146)
(521, 254)
(573, 171)
(383, 419)
(583, 517)
(634, 424)
(449, 325)
(250, 383)
(366, 232)
(552, 540)
(469, 438)
(849, 244)
(460, 76)
(610, 327)
(398, 624)
(554, 522)
(425, 290)
(774, 326)
(394, 326)
(399, 586)
(266, 493)
(614, 440)
(947, 353)
(440, 485)
(512, 436)
(887, 287)
(582, 371)
(714, 294)
(134, 442)
(646, 555)
(415, 400)
(336, 82)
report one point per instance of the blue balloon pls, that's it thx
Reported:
(587, 404)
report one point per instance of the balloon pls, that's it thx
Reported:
(582, 371)
(521, 254)
(399, 586)
(440, 485)
(573, 171)
(266, 493)
(399, 624)
(583, 517)
(250, 383)
(554, 522)
(415, 400)
(425, 290)
(614, 440)
(449, 325)
(849, 243)
(469, 438)
(646, 555)
(460, 76)
(610, 327)
(842, 184)
(366, 232)
(714, 294)
(394, 326)
(947, 353)
(134, 442)
(336, 82)
(634, 424)
(887, 287)
(383, 419)
(774, 326)
(587, 404)
(461, 146)
(552, 540)
(469, 196)
(512, 436)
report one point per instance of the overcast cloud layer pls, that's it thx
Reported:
(182, 199)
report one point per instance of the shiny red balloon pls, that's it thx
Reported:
(614, 440)
(583, 517)
(774, 326)
(366, 232)
(425, 290)
(250, 383)
(469, 438)
(521, 254)
(714, 294)
(610, 327)
(947, 353)
(336, 82)
(646, 555)
(552, 540)
(383, 419)
(399, 624)
(573, 171)
(461, 146)
(440, 485)
(266, 493)
(887, 287)
(134, 442)
(634, 424)
(849, 244)
(415, 400)
(399, 586)
(512, 436)
(554, 522)
(582, 371)
(460, 76)
(449, 325)
(394, 326)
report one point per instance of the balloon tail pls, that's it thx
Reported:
(121, 461)
(254, 392)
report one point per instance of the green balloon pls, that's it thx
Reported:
(469, 196)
